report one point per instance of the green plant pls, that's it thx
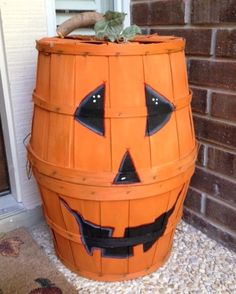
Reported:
(111, 27)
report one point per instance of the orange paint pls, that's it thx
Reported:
(81, 151)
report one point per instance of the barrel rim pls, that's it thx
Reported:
(141, 45)
(104, 179)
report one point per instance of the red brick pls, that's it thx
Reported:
(224, 106)
(222, 161)
(213, 185)
(217, 74)
(140, 14)
(210, 229)
(193, 200)
(198, 41)
(199, 100)
(226, 43)
(220, 213)
(215, 132)
(213, 11)
(167, 12)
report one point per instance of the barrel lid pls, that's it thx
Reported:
(88, 45)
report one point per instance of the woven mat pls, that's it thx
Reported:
(25, 269)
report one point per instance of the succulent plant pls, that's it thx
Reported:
(111, 27)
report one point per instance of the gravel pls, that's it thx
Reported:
(197, 265)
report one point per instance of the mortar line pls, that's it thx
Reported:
(203, 203)
(216, 174)
(187, 12)
(213, 43)
(221, 148)
(205, 155)
(215, 198)
(217, 90)
(208, 101)
(211, 58)
(192, 26)
(215, 119)
(211, 222)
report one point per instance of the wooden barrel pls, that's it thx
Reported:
(112, 150)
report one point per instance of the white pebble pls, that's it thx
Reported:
(196, 265)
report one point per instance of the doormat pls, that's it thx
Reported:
(25, 269)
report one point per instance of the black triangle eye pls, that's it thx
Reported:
(127, 173)
(159, 111)
(90, 112)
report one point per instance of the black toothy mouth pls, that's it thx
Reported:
(96, 236)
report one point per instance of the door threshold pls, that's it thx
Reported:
(9, 206)
(14, 215)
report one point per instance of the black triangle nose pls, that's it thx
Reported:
(127, 173)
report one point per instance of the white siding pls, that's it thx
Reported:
(78, 4)
(23, 21)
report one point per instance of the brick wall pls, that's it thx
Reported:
(209, 27)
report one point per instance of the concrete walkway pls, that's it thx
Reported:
(197, 265)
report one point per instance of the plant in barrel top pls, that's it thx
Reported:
(109, 26)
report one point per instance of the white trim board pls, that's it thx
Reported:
(51, 17)
(8, 124)
(123, 6)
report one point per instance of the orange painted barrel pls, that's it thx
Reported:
(112, 150)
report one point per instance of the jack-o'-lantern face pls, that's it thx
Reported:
(91, 114)
(113, 150)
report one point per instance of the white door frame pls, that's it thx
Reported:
(7, 119)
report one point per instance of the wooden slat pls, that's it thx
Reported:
(164, 144)
(39, 134)
(60, 139)
(158, 74)
(126, 81)
(52, 210)
(128, 91)
(111, 213)
(43, 76)
(62, 79)
(185, 131)
(179, 74)
(90, 211)
(81, 258)
(145, 211)
(163, 248)
(92, 152)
